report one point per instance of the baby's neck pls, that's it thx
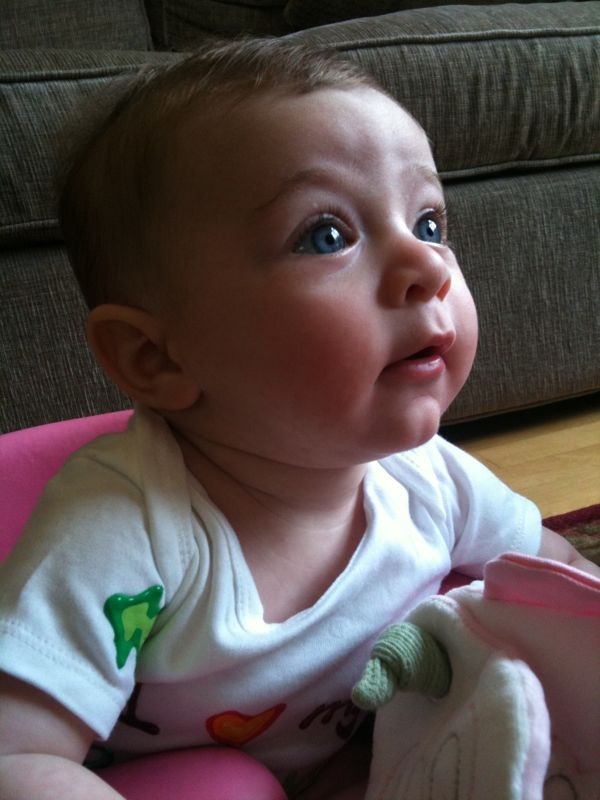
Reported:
(298, 527)
(292, 490)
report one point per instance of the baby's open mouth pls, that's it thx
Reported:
(423, 363)
(426, 352)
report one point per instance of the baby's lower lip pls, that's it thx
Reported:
(417, 369)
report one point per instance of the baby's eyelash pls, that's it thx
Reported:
(439, 214)
(327, 214)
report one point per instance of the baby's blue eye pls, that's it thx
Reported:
(324, 238)
(428, 230)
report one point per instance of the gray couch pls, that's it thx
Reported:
(509, 94)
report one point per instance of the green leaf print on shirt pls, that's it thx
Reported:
(132, 618)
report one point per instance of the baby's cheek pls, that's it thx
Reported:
(461, 357)
(468, 330)
(334, 366)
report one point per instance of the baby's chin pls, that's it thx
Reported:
(418, 427)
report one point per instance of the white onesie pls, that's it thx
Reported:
(129, 601)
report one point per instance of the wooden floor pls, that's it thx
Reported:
(550, 454)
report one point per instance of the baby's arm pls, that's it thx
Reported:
(42, 747)
(557, 548)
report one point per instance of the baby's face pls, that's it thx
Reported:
(320, 312)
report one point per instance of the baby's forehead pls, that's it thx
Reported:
(207, 123)
(273, 141)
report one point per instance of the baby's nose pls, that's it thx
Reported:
(415, 272)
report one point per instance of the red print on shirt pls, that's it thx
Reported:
(235, 729)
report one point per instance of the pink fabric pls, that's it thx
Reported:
(532, 581)
(550, 614)
(202, 774)
(30, 457)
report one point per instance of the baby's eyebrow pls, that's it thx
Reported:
(319, 176)
(289, 184)
(428, 174)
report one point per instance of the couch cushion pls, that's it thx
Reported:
(189, 22)
(529, 246)
(38, 92)
(111, 24)
(46, 370)
(310, 13)
(156, 13)
(496, 87)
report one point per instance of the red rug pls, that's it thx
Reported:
(581, 528)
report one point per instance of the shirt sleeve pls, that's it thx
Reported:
(81, 592)
(477, 515)
(486, 518)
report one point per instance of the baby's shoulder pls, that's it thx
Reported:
(436, 475)
(120, 498)
(138, 457)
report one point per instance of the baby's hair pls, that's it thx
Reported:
(110, 194)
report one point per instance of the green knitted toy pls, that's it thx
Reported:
(405, 658)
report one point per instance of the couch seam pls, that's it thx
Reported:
(465, 36)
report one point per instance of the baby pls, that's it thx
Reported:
(259, 232)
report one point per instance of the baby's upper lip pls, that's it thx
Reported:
(432, 344)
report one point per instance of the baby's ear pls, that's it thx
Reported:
(131, 347)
